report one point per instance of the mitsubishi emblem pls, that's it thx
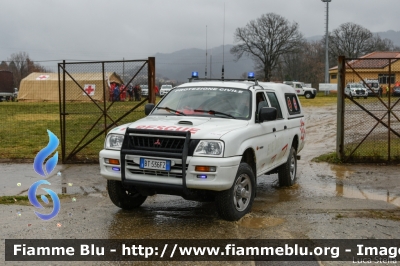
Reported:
(157, 142)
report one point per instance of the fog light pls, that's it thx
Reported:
(203, 168)
(202, 176)
(116, 169)
(111, 161)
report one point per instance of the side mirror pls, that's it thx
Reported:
(148, 108)
(267, 114)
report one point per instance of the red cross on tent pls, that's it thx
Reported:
(89, 88)
(42, 77)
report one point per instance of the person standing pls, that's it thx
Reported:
(130, 92)
(156, 90)
(136, 92)
(116, 93)
(380, 91)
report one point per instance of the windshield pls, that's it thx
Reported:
(357, 86)
(206, 101)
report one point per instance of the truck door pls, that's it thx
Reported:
(265, 141)
(281, 145)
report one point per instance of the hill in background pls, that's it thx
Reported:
(180, 64)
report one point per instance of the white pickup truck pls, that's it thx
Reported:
(302, 90)
(207, 141)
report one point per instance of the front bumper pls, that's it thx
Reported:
(222, 179)
(359, 93)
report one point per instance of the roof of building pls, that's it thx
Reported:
(375, 60)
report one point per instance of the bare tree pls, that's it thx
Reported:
(376, 43)
(350, 40)
(306, 65)
(3, 65)
(266, 39)
(21, 66)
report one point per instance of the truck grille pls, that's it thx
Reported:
(158, 143)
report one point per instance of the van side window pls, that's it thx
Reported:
(274, 103)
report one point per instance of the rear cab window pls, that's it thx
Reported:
(292, 103)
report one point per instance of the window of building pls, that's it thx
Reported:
(384, 78)
(333, 76)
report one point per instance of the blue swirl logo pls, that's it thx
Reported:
(45, 169)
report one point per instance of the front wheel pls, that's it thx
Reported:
(234, 203)
(307, 95)
(126, 198)
(287, 172)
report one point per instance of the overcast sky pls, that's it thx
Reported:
(137, 29)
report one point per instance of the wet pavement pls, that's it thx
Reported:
(329, 202)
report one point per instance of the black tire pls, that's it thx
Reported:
(234, 203)
(287, 172)
(307, 95)
(125, 198)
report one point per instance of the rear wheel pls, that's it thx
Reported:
(126, 198)
(287, 172)
(234, 203)
(307, 95)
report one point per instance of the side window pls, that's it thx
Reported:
(292, 103)
(274, 103)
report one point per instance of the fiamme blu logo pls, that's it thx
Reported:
(45, 169)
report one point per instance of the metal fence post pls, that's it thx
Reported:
(152, 79)
(340, 108)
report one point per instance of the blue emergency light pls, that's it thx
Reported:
(250, 75)
(195, 74)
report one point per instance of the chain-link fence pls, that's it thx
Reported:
(87, 98)
(371, 111)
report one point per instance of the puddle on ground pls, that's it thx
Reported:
(260, 222)
(333, 183)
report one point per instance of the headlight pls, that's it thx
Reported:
(209, 148)
(114, 141)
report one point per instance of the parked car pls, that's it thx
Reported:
(356, 90)
(165, 89)
(372, 87)
(145, 90)
(396, 91)
(302, 90)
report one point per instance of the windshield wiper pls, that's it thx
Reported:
(212, 112)
(171, 110)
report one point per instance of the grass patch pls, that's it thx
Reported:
(23, 200)
(327, 158)
(24, 126)
(320, 100)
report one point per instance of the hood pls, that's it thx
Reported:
(200, 127)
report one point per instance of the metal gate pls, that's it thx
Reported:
(368, 128)
(90, 104)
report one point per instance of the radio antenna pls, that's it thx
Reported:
(223, 46)
(206, 53)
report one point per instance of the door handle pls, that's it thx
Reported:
(285, 127)
(274, 129)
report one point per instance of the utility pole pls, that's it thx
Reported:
(326, 42)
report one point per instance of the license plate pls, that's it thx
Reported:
(155, 164)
